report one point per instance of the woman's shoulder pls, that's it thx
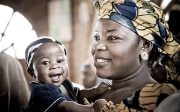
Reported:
(146, 99)
(151, 95)
(159, 88)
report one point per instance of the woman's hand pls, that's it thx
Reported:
(103, 87)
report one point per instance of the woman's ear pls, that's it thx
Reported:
(31, 72)
(147, 45)
(146, 48)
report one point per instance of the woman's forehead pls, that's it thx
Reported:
(108, 26)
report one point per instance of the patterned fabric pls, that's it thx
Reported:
(31, 49)
(145, 100)
(145, 19)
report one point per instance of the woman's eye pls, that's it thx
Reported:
(112, 37)
(96, 37)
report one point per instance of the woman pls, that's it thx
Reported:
(129, 36)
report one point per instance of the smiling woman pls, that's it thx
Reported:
(129, 36)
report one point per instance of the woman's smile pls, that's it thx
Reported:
(101, 60)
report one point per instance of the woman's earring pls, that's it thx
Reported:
(144, 56)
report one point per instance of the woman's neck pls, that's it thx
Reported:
(126, 87)
(134, 81)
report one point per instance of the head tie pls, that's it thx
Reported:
(144, 18)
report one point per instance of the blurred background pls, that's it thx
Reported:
(70, 21)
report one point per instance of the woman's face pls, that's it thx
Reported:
(115, 50)
(50, 64)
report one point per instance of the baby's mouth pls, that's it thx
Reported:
(55, 77)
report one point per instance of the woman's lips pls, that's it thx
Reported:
(101, 62)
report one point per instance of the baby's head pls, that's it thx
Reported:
(46, 60)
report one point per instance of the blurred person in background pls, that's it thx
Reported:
(90, 78)
(14, 90)
(170, 104)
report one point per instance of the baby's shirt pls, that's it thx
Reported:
(46, 97)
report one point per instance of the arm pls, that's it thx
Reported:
(98, 104)
(93, 93)
(69, 106)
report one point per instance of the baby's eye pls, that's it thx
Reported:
(60, 60)
(45, 62)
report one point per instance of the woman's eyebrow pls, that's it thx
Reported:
(111, 30)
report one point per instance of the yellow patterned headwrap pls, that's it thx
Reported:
(144, 18)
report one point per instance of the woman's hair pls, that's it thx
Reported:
(176, 61)
(153, 56)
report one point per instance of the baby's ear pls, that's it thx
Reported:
(31, 72)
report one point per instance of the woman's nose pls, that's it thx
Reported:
(96, 47)
(99, 46)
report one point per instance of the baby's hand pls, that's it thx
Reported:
(103, 87)
(98, 104)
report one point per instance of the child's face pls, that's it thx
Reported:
(50, 64)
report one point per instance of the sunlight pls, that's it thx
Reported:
(16, 35)
(165, 3)
(6, 13)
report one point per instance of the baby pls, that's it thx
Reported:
(52, 91)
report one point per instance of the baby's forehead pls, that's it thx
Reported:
(50, 45)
